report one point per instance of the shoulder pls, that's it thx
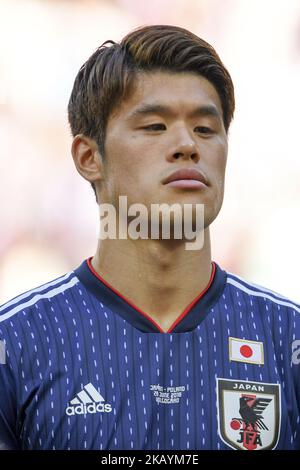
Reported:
(260, 294)
(23, 305)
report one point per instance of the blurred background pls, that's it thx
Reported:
(48, 214)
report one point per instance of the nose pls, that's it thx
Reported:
(184, 147)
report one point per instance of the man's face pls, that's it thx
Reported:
(170, 122)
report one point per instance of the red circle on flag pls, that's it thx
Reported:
(235, 425)
(246, 351)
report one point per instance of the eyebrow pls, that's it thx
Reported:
(200, 111)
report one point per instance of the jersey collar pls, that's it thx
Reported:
(188, 320)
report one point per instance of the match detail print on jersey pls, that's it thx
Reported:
(242, 350)
(249, 414)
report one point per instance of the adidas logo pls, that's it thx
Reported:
(87, 401)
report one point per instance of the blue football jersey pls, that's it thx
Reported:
(81, 367)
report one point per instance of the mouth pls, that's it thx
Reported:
(186, 178)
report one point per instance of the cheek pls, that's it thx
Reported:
(126, 169)
(220, 179)
(217, 171)
(132, 156)
(218, 159)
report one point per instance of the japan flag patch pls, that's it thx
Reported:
(243, 350)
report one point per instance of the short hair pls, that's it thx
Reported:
(108, 76)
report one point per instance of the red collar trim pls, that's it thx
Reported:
(181, 316)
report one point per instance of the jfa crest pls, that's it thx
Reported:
(249, 414)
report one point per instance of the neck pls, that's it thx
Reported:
(159, 277)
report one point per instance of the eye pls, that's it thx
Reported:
(155, 127)
(204, 130)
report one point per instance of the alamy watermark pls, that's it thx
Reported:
(296, 352)
(2, 353)
(163, 221)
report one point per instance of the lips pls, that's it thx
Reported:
(185, 175)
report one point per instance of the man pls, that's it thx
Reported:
(147, 344)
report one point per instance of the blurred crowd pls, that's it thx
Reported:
(48, 214)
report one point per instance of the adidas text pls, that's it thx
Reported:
(88, 400)
(92, 408)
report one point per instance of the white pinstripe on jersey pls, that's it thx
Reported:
(36, 298)
(20, 297)
(265, 293)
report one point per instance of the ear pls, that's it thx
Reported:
(87, 158)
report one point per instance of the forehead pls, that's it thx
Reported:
(181, 91)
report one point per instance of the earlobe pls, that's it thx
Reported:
(87, 158)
